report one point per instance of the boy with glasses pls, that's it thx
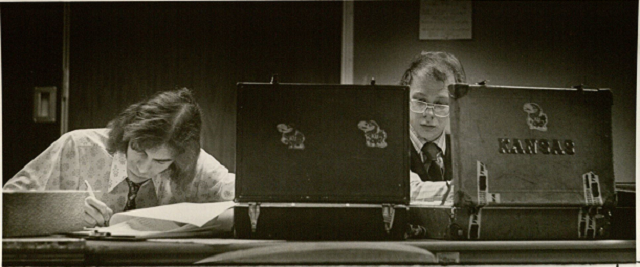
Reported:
(428, 78)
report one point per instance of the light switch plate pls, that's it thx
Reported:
(44, 104)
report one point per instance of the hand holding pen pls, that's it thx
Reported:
(96, 212)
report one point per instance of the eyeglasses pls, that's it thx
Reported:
(420, 107)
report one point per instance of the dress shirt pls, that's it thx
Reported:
(427, 191)
(82, 155)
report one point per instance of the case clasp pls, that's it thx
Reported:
(254, 213)
(388, 213)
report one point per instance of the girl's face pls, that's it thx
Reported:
(144, 164)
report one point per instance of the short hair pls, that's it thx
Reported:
(438, 65)
(171, 118)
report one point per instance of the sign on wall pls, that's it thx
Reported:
(445, 19)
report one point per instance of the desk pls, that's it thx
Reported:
(232, 251)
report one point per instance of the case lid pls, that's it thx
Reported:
(322, 143)
(519, 146)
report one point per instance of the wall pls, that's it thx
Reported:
(31, 57)
(123, 52)
(529, 43)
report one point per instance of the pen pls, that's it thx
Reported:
(93, 195)
(89, 189)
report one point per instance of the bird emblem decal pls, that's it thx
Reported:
(536, 118)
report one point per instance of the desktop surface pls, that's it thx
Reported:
(73, 251)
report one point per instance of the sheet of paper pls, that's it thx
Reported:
(192, 213)
(445, 19)
(327, 252)
(139, 227)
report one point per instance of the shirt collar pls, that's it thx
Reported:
(119, 172)
(418, 142)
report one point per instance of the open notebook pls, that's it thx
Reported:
(181, 220)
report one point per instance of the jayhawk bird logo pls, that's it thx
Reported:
(374, 135)
(536, 118)
(291, 137)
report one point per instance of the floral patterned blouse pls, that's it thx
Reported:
(82, 155)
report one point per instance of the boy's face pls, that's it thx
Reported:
(427, 89)
(144, 164)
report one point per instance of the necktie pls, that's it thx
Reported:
(432, 164)
(133, 191)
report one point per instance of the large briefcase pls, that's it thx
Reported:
(528, 163)
(524, 146)
(512, 223)
(318, 161)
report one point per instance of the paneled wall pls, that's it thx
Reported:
(122, 52)
(31, 57)
(524, 43)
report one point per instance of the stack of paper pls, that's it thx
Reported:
(181, 220)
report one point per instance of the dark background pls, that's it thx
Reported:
(521, 43)
(122, 52)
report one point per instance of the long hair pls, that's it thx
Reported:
(170, 118)
(438, 65)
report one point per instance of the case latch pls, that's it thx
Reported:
(475, 218)
(254, 212)
(388, 213)
(591, 222)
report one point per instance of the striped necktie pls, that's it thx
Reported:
(131, 197)
(432, 162)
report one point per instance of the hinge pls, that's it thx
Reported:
(452, 215)
(388, 213)
(274, 79)
(254, 212)
(598, 219)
